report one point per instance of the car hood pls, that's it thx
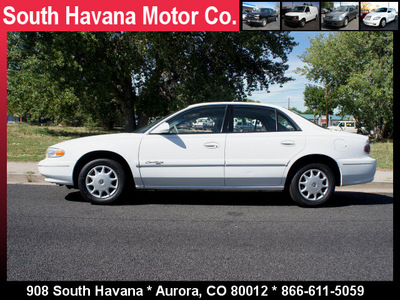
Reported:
(118, 142)
(293, 13)
(377, 14)
(335, 14)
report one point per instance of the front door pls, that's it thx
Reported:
(191, 155)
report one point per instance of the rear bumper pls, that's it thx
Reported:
(357, 171)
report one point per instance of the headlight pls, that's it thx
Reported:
(376, 18)
(54, 152)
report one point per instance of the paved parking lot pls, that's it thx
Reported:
(54, 235)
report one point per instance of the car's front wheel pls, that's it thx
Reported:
(312, 185)
(101, 181)
(264, 22)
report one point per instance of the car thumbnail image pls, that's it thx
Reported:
(261, 15)
(379, 16)
(300, 16)
(340, 16)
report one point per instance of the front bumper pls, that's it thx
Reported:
(292, 21)
(334, 23)
(254, 21)
(57, 171)
(372, 22)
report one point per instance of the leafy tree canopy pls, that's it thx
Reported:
(104, 77)
(357, 69)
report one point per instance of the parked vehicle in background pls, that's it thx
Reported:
(363, 13)
(325, 10)
(261, 17)
(279, 150)
(380, 17)
(203, 123)
(300, 15)
(347, 126)
(341, 16)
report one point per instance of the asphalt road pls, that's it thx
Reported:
(54, 235)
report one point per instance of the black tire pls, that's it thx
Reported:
(101, 181)
(345, 22)
(382, 24)
(264, 22)
(312, 185)
(302, 23)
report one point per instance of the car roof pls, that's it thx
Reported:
(234, 103)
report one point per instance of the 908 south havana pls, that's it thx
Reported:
(209, 291)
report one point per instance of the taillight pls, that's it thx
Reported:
(367, 148)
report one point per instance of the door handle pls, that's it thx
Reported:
(288, 143)
(211, 145)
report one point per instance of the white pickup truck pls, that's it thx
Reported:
(348, 126)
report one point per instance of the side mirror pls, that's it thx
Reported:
(162, 128)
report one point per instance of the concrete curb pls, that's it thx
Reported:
(24, 173)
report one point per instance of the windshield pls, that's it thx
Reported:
(298, 9)
(261, 10)
(341, 8)
(382, 9)
(150, 124)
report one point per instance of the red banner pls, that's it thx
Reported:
(102, 15)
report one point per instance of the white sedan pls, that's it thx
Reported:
(281, 151)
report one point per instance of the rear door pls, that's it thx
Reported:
(258, 155)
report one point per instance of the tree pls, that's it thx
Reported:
(103, 74)
(357, 68)
(368, 92)
(315, 100)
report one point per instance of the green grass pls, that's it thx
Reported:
(29, 142)
(383, 153)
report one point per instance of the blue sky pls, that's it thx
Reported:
(293, 89)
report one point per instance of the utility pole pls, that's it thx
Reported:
(326, 105)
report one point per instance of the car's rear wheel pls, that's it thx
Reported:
(101, 181)
(312, 185)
